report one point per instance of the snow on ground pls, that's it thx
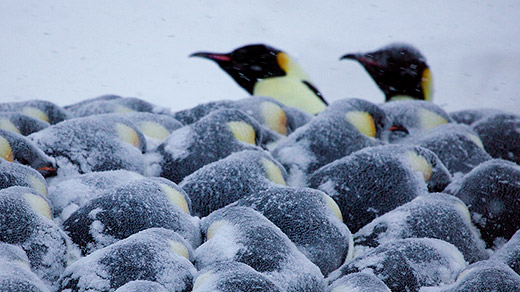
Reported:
(68, 51)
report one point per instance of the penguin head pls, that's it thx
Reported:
(399, 70)
(250, 63)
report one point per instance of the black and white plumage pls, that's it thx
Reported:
(409, 264)
(97, 143)
(457, 146)
(21, 123)
(373, 181)
(310, 219)
(233, 277)
(25, 220)
(17, 148)
(225, 181)
(344, 127)
(130, 208)
(40, 109)
(241, 234)
(483, 276)
(491, 191)
(154, 254)
(435, 215)
(358, 282)
(214, 137)
(412, 119)
(500, 135)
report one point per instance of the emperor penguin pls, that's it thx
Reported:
(266, 71)
(399, 70)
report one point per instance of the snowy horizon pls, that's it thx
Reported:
(66, 52)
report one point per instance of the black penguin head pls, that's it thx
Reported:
(399, 70)
(249, 64)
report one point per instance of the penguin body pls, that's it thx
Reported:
(140, 286)
(509, 253)
(26, 221)
(227, 180)
(310, 219)
(491, 191)
(20, 123)
(399, 70)
(483, 276)
(233, 277)
(359, 282)
(128, 209)
(435, 215)
(470, 116)
(96, 143)
(266, 71)
(111, 104)
(212, 138)
(500, 135)
(14, 174)
(41, 109)
(70, 193)
(457, 146)
(409, 264)
(412, 119)
(155, 254)
(241, 234)
(344, 127)
(17, 278)
(267, 111)
(18, 148)
(373, 181)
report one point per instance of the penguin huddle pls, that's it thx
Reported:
(281, 192)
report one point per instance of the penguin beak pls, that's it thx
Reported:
(364, 59)
(48, 171)
(212, 56)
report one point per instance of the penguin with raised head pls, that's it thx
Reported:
(21, 123)
(40, 109)
(267, 71)
(408, 264)
(155, 254)
(399, 70)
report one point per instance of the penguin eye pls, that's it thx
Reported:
(256, 68)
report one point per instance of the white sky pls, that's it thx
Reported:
(66, 51)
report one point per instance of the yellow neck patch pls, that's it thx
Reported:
(38, 204)
(175, 197)
(332, 204)
(6, 152)
(273, 171)
(363, 121)
(9, 126)
(419, 163)
(427, 84)
(179, 249)
(431, 120)
(35, 113)
(154, 130)
(38, 184)
(214, 227)
(274, 117)
(128, 135)
(243, 132)
(123, 109)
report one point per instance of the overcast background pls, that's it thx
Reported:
(67, 51)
